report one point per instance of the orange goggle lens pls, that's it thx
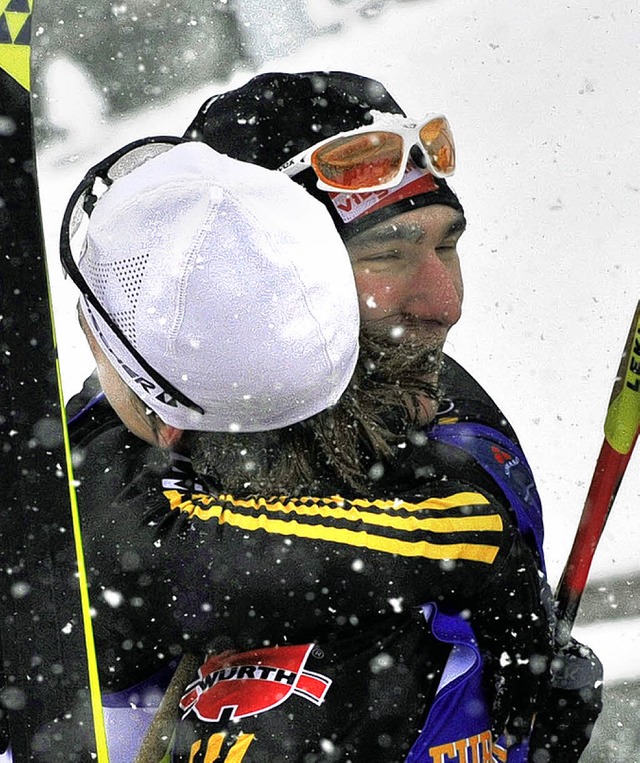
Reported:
(437, 140)
(359, 161)
(369, 159)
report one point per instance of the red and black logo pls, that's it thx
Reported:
(501, 456)
(234, 686)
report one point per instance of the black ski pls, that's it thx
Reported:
(47, 659)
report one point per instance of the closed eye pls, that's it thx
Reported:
(448, 247)
(390, 254)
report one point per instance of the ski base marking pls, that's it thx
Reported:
(15, 33)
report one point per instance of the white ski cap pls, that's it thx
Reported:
(231, 282)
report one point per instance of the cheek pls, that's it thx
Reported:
(119, 398)
(458, 284)
(113, 387)
(377, 295)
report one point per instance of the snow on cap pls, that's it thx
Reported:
(231, 282)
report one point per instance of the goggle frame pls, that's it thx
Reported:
(407, 128)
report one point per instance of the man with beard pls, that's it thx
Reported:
(361, 585)
(383, 178)
(323, 560)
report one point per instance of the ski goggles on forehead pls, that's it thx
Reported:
(374, 157)
(94, 185)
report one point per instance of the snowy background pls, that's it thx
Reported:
(544, 102)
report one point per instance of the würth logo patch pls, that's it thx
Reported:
(233, 686)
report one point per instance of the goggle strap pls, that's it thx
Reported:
(87, 204)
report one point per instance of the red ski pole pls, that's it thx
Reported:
(621, 428)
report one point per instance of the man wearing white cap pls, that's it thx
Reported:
(227, 334)
(253, 320)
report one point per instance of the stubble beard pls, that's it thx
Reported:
(344, 447)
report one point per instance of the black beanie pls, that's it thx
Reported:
(276, 116)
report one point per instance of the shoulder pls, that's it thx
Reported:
(441, 519)
(466, 397)
(471, 423)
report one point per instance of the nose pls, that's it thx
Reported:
(434, 289)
